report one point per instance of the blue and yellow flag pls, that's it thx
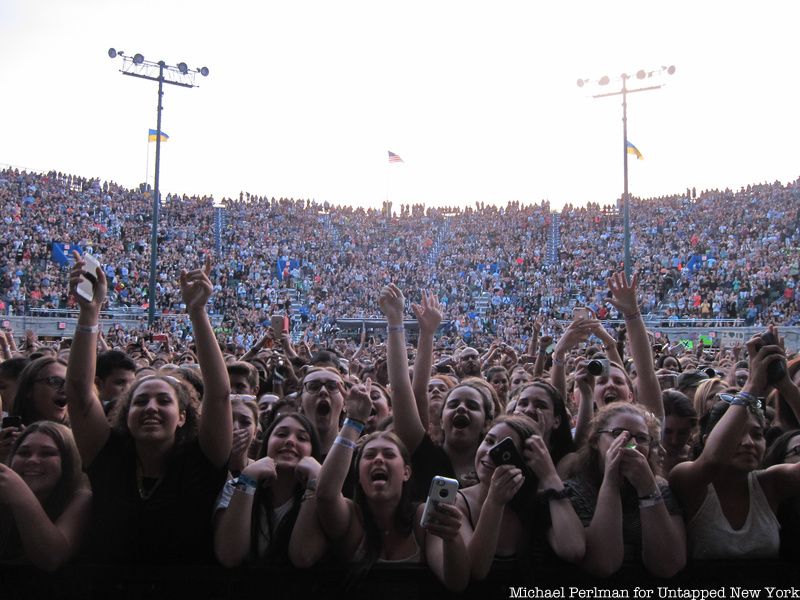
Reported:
(151, 136)
(633, 150)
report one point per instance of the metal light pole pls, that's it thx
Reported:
(137, 66)
(624, 91)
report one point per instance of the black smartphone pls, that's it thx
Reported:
(11, 421)
(505, 452)
(776, 371)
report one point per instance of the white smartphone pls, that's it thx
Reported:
(89, 277)
(443, 490)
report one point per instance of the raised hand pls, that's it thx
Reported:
(196, 286)
(392, 303)
(538, 459)
(99, 287)
(428, 313)
(624, 293)
(307, 468)
(263, 470)
(358, 403)
(506, 482)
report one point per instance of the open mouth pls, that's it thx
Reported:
(323, 409)
(460, 421)
(376, 476)
(60, 402)
(609, 398)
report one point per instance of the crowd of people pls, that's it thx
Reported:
(719, 254)
(595, 449)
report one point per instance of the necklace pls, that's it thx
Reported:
(143, 493)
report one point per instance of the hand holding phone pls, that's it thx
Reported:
(85, 288)
(442, 491)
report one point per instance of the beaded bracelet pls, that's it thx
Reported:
(342, 441)
(355, 424)
(635, 315)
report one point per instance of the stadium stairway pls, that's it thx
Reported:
(553, 239)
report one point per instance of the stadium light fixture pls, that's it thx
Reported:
(624, 91)
(161, 72)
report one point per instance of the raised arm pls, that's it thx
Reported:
(308, 543)
(87, 418)
(604, 545)
(429, 316)
(216, 420)
(576, 332)
(336, 513)
(624, 300)
(566, 535)
(233, 523)
(407, 421)
(690, 479)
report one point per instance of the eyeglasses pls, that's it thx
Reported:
(468, 357)
(314, 386)
(642, 439)
(53, 381)
(793, 452)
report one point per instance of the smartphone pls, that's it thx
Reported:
(443, 490)
(11, 421)
(159, 337)
(505, 452)
(775, 370)
(89, 277)
(581, 312)
(277, 322)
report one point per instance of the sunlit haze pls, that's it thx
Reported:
(305, 98)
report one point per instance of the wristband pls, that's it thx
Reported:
(632, 317)
(342, 441)
(87, 328)
(558, 361)
(395, 329)
(355, 424)
(651, 499)
(246, 484)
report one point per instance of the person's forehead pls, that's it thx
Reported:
(290, 424)
(534, 393)
(39, 439)
(154, 385)
(628, 421)
(53, 369)
(437, 382)
(503, 430)
(465, 393)
(322, 376)
(380, 444)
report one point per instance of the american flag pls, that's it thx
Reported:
(394, 157)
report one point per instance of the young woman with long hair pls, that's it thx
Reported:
(157, 468)
(45, 505)
(256, 512)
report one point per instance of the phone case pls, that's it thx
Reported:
(505, 452)
(85, 288)
(443, 489)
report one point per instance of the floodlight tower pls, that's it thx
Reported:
(180, 74)
(624, 91)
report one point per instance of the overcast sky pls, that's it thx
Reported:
(304, 98)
